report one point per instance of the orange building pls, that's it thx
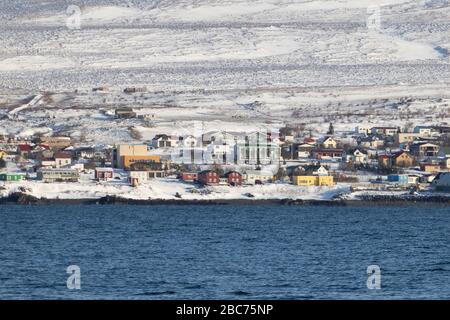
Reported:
(127, 161)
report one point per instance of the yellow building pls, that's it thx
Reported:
(327, 181)
(123, 150)
(127, 161)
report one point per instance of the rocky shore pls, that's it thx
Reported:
(19, 198)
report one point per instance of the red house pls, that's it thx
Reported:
(104, 174)
(189, 176)
(23, 149)
(234, 178)
(208, 177)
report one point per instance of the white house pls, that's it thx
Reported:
(362, 129)
(219, 153)
(188, 141)
(387, 131)
(314, 170)
(48, 163)
(304, 150)
(356, 156)
(164, 141)
(62, 159)
(261, 176)
(423, 131)
(137, 177)
(328, 143)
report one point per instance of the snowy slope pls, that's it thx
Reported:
(200, 59)
(226, 39)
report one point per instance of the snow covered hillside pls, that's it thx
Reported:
(213, 44)
(202, 59)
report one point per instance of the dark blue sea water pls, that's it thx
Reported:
(224, 252)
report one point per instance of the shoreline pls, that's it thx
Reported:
(435, 201)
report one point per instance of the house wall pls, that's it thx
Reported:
(127, 161)
(251, 178)
(314, 181)
(234, 178)
(58, 175)
(404, 160)
(129, 150)
(208, 178)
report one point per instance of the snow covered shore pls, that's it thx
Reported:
(172, 191)
(167, 189)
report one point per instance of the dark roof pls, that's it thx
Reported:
(62, 155)
(206, 171)
(328, 150)
(353, 150)
(230, 172)
(163, 136)
(24, 147)
(124, 109)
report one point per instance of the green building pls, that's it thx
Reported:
(12, 176)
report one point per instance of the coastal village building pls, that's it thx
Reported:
(24, 150)
(386, 131)
(58, 175)
(221, 153)
(189, 176)
(136, 178)
(313, 175)
(103, 174)
(398, 159)
(234, 178)
(362, 129)
(188, 141)
(163, 141)
(356, 156)
(125, 155)
(398, 178)
(62, 159)
(128, 161)
(371, 142)
(257, 149)
(85, 153)
(423, 131)
(48, 163)
(208, 177)
(258, 177)
(328, 153)
(307, 181)
(424, 149)
(12, 176)
(56, 142)
(125, 113)
(430, 167)
(406, 138)
(303, 150)
(328, 143)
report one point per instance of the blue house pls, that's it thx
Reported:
(398, 178)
